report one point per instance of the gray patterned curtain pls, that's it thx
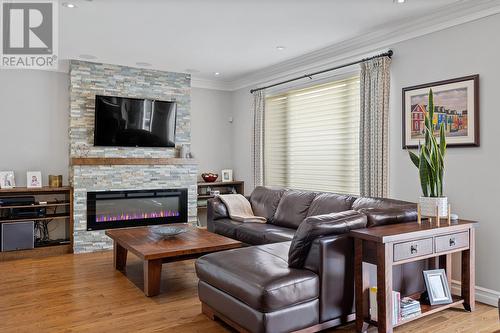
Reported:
(373, 141)
(259, 99)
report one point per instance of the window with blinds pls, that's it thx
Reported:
(311, 139)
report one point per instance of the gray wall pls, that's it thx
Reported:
(211, 131)
(34, 120)
(472, 181)
(471, 177)
(242, 140)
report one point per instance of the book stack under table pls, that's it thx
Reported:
(408, 308)
(403, 308)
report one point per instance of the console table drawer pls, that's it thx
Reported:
(451, 242)
(412, 249)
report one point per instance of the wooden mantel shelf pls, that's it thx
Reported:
(130, 161)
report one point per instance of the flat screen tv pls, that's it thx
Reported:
(134, 122)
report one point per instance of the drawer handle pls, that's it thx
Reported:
(413, 249)
(452, 241)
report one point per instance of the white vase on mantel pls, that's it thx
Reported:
(428, 206)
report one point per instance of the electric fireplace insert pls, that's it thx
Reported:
(120, 209)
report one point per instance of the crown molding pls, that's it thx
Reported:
(371, 43)
(211, 84)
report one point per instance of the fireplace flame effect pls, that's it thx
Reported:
(137, 216)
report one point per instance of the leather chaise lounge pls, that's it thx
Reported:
(298, 273)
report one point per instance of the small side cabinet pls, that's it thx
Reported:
(397, 244)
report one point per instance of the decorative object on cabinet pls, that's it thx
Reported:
(185, 151)
(456, 106)
(209, 177)
(7, 179)
(55, 181)
(227, 175)
(34, 179)
(430, 164)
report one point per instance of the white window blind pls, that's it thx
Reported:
(311, 139)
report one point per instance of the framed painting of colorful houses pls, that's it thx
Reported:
(456, 104)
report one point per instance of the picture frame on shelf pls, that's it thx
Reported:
(437, 286)
(456, 104)
(7, 179)
(227, 175)
(34, 179)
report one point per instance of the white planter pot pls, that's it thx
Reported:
(428, 206)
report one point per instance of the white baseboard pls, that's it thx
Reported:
(483, 295)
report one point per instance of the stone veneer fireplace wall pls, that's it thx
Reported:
(89, 79)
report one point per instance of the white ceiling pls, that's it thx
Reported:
(233, 37)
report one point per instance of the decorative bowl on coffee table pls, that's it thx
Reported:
(167, 231)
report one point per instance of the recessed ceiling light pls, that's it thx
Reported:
(217, 74)
(87, 56)
(69, 5)
(280, 48)
(399, 1)
(143, 64)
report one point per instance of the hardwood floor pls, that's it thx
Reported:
(84, 293)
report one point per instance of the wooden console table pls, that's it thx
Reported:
(407, 242)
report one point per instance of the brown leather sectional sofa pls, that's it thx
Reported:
(299, 272)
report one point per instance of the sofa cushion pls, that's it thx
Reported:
(326, 203)
(265, 200)
(259, 276)
(263, 233)
(226, 227)
(365, 202)
(219, 209)
(293, 207)
(280, 235)
(318, 226)
(378, 216)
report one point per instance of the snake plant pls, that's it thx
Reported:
(430, 157)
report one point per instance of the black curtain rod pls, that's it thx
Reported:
(386, 54)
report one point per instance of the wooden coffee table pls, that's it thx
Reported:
(155, 251)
